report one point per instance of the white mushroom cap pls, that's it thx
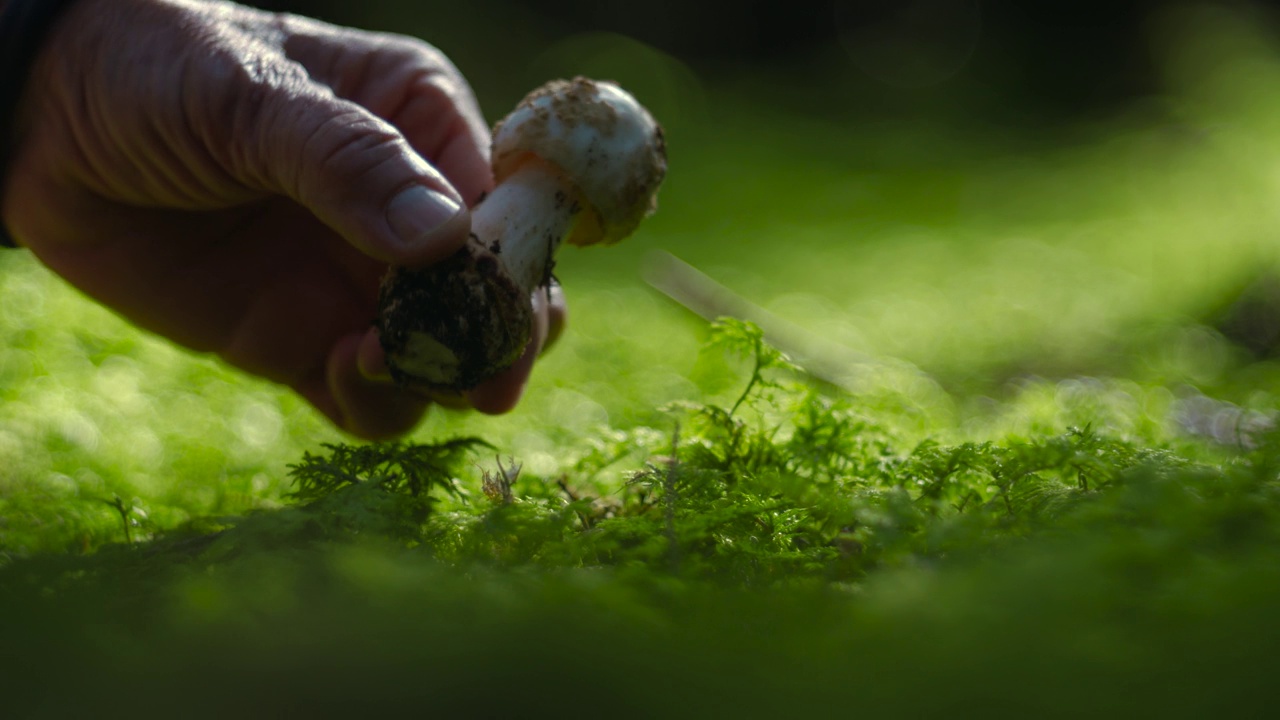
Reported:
(605, 142)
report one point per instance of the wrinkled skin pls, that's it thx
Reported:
(222, 176)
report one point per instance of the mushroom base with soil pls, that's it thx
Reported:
(452, 326)
(455, 324)
(577, 161)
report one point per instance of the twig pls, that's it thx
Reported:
(822, 359)
(119, 506)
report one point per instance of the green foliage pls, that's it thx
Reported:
(380, 491)
(1037, 494)
(408, 468)
(783, 484)
(785, 522)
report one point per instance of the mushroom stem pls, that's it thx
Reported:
(524, 220)
(577, 161)
(454, 324)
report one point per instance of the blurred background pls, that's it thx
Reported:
(986, 190)
(982, 219)
(1030, 64)
(994, 213)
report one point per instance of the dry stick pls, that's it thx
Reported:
(824, 360)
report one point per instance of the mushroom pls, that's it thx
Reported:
(577, 161)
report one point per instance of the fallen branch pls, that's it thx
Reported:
(824, 360)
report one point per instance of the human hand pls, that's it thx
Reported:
(238, 181)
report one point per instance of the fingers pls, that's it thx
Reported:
(358, 175)
(381, 138)
(494, 397)
(378, 135)
(408, 83)
(499, 394)
(557, 315)
(372, 409)
(359, 395)
(502, 393)
(276, 129)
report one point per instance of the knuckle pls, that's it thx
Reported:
(349, 146)
(428, 65)
(347, 138)
(247, 96)
(412, 51)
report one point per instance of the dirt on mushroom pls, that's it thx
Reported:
(578, 161)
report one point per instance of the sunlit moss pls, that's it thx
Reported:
(1041, 468)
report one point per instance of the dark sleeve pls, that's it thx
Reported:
(24, 24)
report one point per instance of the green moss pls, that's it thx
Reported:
(1042, 483)
(784, 553)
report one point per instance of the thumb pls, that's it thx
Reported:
(358, 175)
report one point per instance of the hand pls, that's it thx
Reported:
(238, 181)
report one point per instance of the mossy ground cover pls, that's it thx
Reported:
(1045, 485)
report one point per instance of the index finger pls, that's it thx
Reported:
(408, 83)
